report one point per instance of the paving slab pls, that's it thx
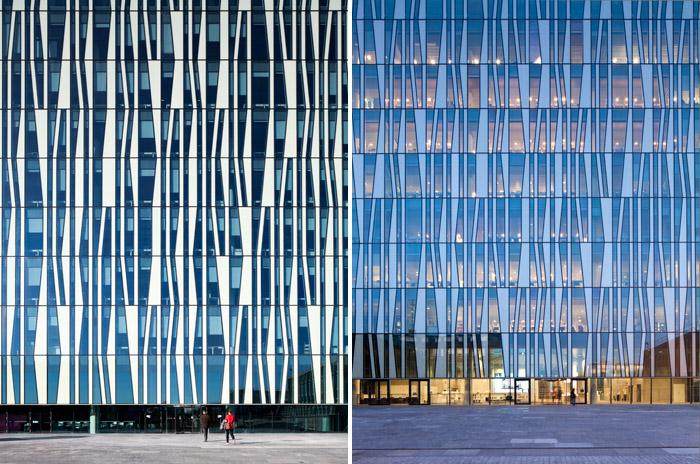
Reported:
(280, 448)
(531, 434)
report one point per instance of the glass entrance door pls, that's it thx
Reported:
(419, 391)
(550, 391)
(522, 391)
(183, 419)
(152, 420)
(580, 388)
(374, 392)
(398, 392)
(368, 391)
(383, 392)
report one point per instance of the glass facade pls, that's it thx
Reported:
(174, 198)
(525, 201)
(170, 418)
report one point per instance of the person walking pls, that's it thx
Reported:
(204, 423)
(572, 397)
(230, 422)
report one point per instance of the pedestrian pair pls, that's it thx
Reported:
(227, 424)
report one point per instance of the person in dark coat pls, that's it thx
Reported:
(573, 397)
(204, 423)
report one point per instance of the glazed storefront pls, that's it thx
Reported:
(503, 391)
(170, 418)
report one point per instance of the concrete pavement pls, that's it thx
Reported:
(173, 448)
(526, 434)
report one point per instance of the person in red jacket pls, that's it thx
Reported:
(229, 424)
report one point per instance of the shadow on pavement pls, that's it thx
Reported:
(42, 437)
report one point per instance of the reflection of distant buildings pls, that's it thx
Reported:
(544, 355)
(307, 380)
(672, 355)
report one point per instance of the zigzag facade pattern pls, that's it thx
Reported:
(174, 201)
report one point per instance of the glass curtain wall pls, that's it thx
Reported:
(174, 200)
(525, 198)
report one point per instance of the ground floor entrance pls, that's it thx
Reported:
(420, 391)
(396, 391)
(170, 418)
(523, 391)
(561, 391)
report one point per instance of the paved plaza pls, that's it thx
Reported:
(173, 448)
(526, 434)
